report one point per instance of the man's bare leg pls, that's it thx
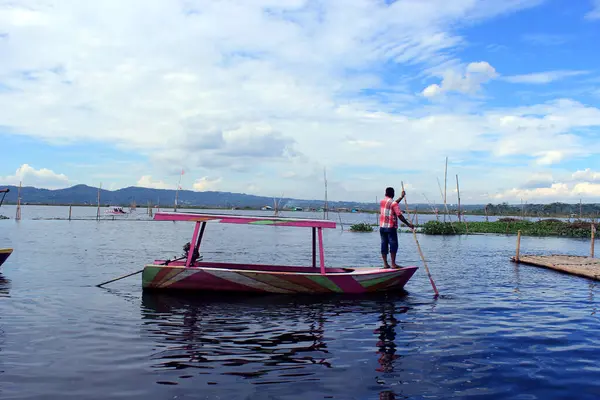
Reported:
(385, 261)
(394, 260)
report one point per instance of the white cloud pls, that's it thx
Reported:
(550, 157)
(366, 144)
(206, 184)
(595, 12)
(540, 78)
(271, 86)
(147, 182)
(586, 175)
(42, 178)
(469, 82)
(556, 190)
(544, 187)
(289, 174)
(587, 189)
(544, 131)
(92, 74)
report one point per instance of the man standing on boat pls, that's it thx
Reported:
(388, 225)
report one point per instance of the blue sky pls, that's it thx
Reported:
(259, 97)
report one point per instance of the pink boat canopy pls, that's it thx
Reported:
(243, 219)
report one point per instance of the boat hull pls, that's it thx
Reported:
(4, 254)
(256, 279)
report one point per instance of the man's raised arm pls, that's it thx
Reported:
(405, 222)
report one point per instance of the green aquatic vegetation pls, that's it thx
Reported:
(361, 227)
(551, 227)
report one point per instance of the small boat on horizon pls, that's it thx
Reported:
(189, 274)
(115, 211)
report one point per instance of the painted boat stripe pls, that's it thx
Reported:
(176, 276)
(375, 275)
(204, 281)
(375, 281)
(325, 282)
(347, 283)
(385, 284)
(149, 276)
(308, 283)
(278, 282)
(244, 280)
(160, 275)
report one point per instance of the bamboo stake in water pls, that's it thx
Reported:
(445, 186)
(446, 207)
(518, 245)
(98, 209)
(458, 194)
(18, 214)
(593, 238)
(421, 252)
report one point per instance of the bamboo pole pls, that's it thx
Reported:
(518, 245)
(18, 214)
(445, 186)
(326, 209)
(420, 251)
(458, 194)
(98, 209)
(593, 239)
(446, 207)
(522, 215)
(119, 278)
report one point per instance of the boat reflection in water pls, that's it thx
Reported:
(4, 292)
(4, 286)
(249, 337)
(267, 339)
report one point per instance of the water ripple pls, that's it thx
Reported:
(499, 331)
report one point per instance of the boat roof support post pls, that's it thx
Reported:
(191, 250)
(200, 237)
(314, 247)
(321, 252)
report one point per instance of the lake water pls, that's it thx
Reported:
(498, 330)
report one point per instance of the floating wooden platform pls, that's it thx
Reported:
(576, 265)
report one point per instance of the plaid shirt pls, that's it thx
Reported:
(389, 212)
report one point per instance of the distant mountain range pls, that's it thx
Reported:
(87, 195)
(83, 195)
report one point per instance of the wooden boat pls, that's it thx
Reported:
(4, 253)
(189, 274)
(115, 211)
